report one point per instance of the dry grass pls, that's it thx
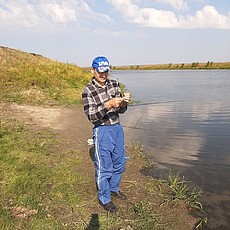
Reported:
(33, 79)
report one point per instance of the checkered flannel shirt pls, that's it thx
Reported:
(94, 98)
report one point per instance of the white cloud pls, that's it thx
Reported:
(72, 15)
(11, 14)
(176, 4)
(47, 14)
(207, 17)
(58, 12)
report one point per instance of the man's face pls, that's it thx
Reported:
(101, 77)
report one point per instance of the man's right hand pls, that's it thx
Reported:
(113, 103)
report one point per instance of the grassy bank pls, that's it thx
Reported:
(33, 79)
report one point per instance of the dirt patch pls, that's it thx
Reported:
(42, 116)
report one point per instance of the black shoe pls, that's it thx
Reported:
(119, 195)
(109, 207)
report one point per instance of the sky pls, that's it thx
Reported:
(127, 32)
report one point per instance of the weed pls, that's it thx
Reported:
(137, 148)
(146, 218)
(201, 223)
(191, 196)
(180, 190)
(178, 186)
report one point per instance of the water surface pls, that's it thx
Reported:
(184, 125)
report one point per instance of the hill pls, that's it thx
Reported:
(33, 79)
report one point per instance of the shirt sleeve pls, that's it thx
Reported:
(91, 109)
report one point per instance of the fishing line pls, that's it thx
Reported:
(147, 103)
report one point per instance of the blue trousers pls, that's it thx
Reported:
(109, 159)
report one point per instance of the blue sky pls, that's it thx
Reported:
(128, 32)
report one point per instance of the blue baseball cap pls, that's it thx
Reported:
(101, 64)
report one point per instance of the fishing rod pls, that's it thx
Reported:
(155, 103)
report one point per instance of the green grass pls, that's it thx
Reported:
(146, 218)
(35, 183)
(33, 79)
(181, 191)
(138, 149)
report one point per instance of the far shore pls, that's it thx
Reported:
(175, 66)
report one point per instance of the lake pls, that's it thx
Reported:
(183, 124)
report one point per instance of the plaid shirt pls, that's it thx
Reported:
(94, 98)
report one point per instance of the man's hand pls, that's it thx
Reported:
(126, 100)
(113, 103)
(118, 101)
(127, 97)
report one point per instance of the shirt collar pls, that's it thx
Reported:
(95, 82)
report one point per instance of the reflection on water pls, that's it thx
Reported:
(157, 134)
(186, 129)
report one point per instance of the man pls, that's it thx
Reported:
(102, 102)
